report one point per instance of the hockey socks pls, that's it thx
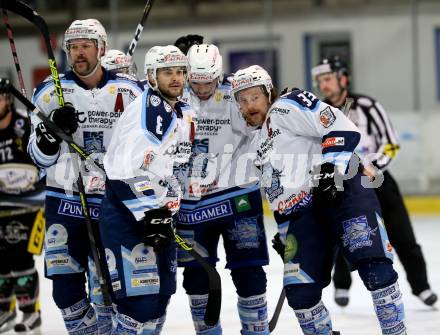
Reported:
(197, 303)
(129, 326)
(80, 318)
(389, 309)
(253, 315)
(104, 316)
(315, 320)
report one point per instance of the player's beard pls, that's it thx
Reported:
(172, 94)
(84, 68)
(255, 120)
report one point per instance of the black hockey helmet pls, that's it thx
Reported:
(5, 87)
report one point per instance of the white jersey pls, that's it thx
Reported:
(150, 139)
(220, 151)
(301, 131)
(97, 110)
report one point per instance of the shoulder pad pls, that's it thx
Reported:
(304, 100)
(159, 115)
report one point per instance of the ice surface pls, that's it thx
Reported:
(356, 319)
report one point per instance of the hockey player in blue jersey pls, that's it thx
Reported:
(217, 201)
(304, 149)
(143, 195)
(95, 99)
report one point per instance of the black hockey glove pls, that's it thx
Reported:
(278, 245)
(47, 142)
(65, 118)
(186, 42)
(158, 228)
(326, 193)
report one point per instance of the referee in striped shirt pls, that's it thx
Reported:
(379, 141)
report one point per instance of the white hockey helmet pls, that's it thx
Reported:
(205, 63)
(116, 60)
(162, 57)
(90, 29)
(251, 76)
(150, 58)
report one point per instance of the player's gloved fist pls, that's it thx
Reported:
(47, 142)
(65, 118)
(325, 190)
(158, 229)
(278, 245)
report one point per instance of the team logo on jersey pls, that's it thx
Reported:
(167, 106)
(112, 89)
(94, 141)
(272, 183)
(358, 233)
(14, 232)
(154, 100)
(46, 98)
(327, 117)
(246, 233)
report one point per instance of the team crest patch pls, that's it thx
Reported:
(271, 177)
(154, 100)
(327, 117)
(358, 233)
(246, 233)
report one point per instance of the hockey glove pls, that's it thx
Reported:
(65, 118)
(158, 228)
(326, 193)
(47, 142)
(278, 245)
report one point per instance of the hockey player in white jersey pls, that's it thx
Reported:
(95, 99)
(143, 196)
(118, 62)
(220, 199)
(304, 151)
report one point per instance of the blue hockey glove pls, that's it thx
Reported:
(158, 228)
(65, 118)
(325, 191)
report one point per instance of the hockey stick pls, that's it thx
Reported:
(273, 321)
(213, 306)
(214, 277)
(28, 13)
(14, 52)
(140, 27)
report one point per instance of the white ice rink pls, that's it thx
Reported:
(357, 319)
